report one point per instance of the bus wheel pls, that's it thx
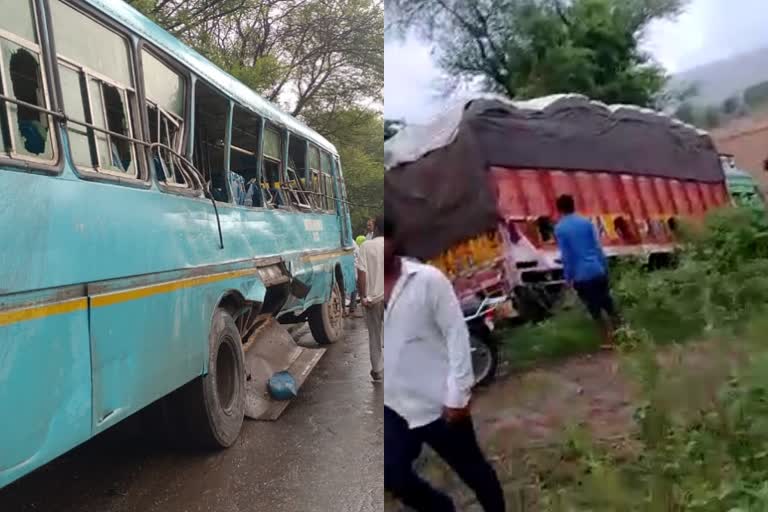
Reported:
(215, 403)
(326, 321)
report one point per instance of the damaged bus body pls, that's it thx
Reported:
(161, 222)
(483, 178)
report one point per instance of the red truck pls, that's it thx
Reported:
(492, 168)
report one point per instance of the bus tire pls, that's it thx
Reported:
(326, 321)
(215, 402)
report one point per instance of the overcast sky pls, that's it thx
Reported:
(709, 30)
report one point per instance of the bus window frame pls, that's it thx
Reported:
(300, 177)
(338, 183)
(142, 178)
(44, 49)
(314, 176)
(90, 74)
(268, 124)
(258, 154)
(185, 149)
(189, 150)
(329, 197)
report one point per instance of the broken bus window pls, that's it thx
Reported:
(98, 89)
(24, 131)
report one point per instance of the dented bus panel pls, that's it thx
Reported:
(122, 233)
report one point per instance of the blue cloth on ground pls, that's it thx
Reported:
(282, 386)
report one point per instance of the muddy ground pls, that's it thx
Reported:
(324, 454)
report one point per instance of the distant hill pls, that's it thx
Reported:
(719, 80)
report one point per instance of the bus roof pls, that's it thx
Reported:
(206, 70)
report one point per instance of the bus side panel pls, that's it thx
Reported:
(45, 390)
(146, 342)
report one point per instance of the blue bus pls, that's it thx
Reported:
(161, 223)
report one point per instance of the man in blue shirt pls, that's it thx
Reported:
(585, 266)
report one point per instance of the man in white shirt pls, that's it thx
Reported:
(370, 227)
(370, 281)
(427, 385)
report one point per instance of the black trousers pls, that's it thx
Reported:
(596, 296)
(455, 444)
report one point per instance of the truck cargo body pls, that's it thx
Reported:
(632, 214)
(495, 165)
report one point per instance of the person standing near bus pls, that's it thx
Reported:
(427, 385)
(585, 267)
(370, 281)
(354, 295)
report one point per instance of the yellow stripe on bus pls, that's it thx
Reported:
(34, 312)
(147, 291)
(57, 308)
(324, 256)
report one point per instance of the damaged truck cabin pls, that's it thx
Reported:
(161, 223)
(475, 190)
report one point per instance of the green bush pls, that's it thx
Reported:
(702, 438)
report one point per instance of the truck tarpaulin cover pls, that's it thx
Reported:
(436, 182)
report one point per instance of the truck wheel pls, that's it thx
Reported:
(326, 321)
(214, 404)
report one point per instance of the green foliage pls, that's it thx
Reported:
(710, 118)
(570, 332)
(731, 105)
(686, 112)
(710, 456)
(721, 275)
(357, 134)
(702, 429)
(529, 48)
(757, 95)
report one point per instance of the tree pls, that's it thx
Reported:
(757, 95)
(711, 118)
(528, 48)
(357, 134)
(182, 16)
(299, 53)
(686, 113)
(731, 106)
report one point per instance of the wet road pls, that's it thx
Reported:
(325, 454)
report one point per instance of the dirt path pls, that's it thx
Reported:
(522, 420)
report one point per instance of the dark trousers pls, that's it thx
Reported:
(455, 444)
(596, 296)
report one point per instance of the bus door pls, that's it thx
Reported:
(147, 338)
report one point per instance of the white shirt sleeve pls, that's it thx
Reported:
(360, 259)
(450, 321)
